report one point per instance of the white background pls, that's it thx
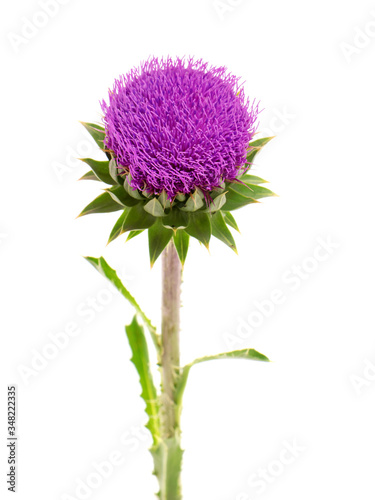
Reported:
(312, 67)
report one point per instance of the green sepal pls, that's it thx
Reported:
(154, 207)
(97, 132)
(252, 179)
(141, 361)
(103, 268)
(102, 204)
(235, 200)
(176, 219)
(158, 239)
(100, 169)
(117, 228)
(89, 176)
(194, 202)
(221, 231)
(252, 191)
(113, 171)
(119, 194)
(181, 242)
(255, 147)
(138, 219)
(133, 234)
(163, 198)
(200, 227)
(134, 193)
(230, 220)
(180, 197)
(216, 204)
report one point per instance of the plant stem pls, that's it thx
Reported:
(170, 335)
(168, 454)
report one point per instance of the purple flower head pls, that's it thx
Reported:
(179, 125)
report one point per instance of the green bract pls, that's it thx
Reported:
(197, 215)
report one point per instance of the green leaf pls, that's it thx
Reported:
(181, 242)
(236, 200)
(167, 457)
(194, 202)
(133, 234)
(89, 176)
(158, 239)
(221, 232)
(103, 268)
(163, 198)
(230, 220)
(102, 204)
(100, 169)
(97, 132)
(176, 219)
(119, 194)
(250, 354)
(200, 227)
(138, 219)
(260, 143)
(140, 359)
(252, 191)
(252, 179)
(117, 228)
(154, 207)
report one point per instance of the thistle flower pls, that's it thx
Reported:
(179, 125)
(178, 139)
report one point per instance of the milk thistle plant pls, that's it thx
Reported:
(179, 140)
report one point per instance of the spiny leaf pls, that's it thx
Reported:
(102, 204)
(200, 227)
(230, 220)
(113, 171)
(181, 242)
(163, 198)
(138, 219)
(140, 359)
(158, 239)
(100, 169)
(167, 457)
(221, 232)
(250, 354)
(97, 132)
(133, 192)
(103, 268)
(255, 147)
(154, 207)
(216, 203)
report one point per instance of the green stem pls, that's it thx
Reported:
(168, 455)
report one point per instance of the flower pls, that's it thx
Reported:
(178, 125)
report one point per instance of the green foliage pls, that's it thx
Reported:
(167, 457)
(103, 268)
(140, 359)
(102, 204)
(181, 241)
(200, 227)
(221, 231)
(158, 238)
